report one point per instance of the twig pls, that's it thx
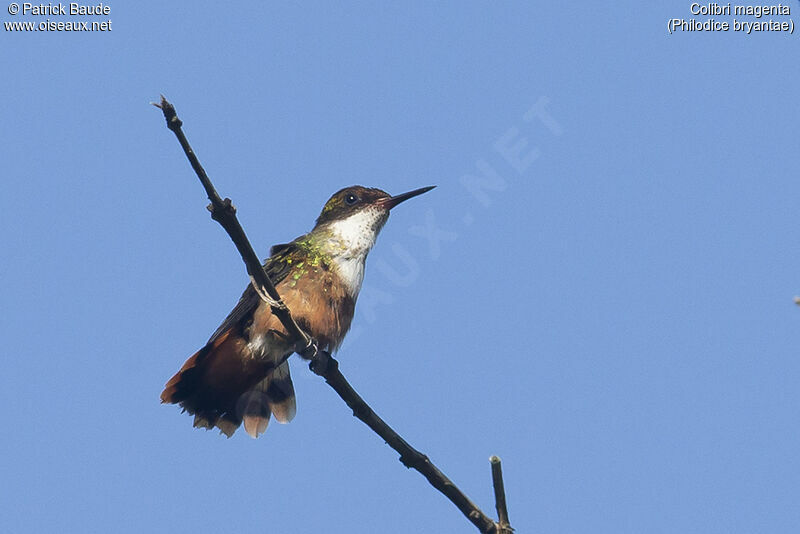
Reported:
(503, 526)
(224, 212)
(322, 363)
(327, 367)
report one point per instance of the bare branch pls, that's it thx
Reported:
(503, 526)
(327, 367)
(224, 213)
(322, 363)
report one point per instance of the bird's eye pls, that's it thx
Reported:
(350, 199)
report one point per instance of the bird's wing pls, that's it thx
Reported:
(276, 268)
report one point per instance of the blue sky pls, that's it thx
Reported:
(610, 310)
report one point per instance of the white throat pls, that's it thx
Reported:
(350, 242)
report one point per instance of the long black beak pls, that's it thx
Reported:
(390, 202)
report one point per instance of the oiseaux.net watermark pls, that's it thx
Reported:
(511, 155)
(58, 17)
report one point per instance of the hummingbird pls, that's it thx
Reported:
(241, 375)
